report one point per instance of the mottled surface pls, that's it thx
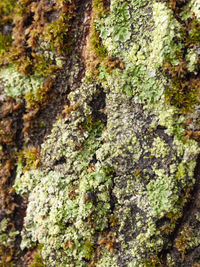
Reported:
(117, 179)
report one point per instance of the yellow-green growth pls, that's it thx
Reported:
(18, 85)
(38, 261)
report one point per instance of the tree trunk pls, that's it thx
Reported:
(99, 133)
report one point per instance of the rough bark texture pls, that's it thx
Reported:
(99, 133)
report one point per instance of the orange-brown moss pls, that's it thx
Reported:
(98, 53)
(6, 9)
(36, 23)
(181, 242)
(183, 92)
(29, 21)
(9, 110)
(29, 158)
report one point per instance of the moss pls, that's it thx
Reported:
(8, 235)
(37, 261)
(181, 241)
(154, 262)
(98, 51)
(37, 45)
(6, 11)
(184, 88)
(5, 43)
(58, 33)
(29, 158)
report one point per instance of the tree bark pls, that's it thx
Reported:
(99, 133)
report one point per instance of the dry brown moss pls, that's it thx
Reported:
(45, 21)
(184, 90)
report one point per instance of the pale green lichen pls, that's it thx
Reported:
(107, 260)
(162, 195)
(142, 80)
(71, 199)
(116, 24)
(160, 148)
(192, 59)
(18, 85)
(163, 33)
(142, 158)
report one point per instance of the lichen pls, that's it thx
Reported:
(192, 59)
(138, 167)
(73, 198)
(18, 85)
(163, 33)
(107, 260)
(116, 25)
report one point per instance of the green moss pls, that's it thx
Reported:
(89, 249)
(5, 43)
(37, 261)
(8, 235)
(183, 91)
(29, 158)
(98, 52)
(187, 239)
(57, 33)
(38, 46)
(6, 9)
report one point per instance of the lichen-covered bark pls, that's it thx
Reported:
(99, 133)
